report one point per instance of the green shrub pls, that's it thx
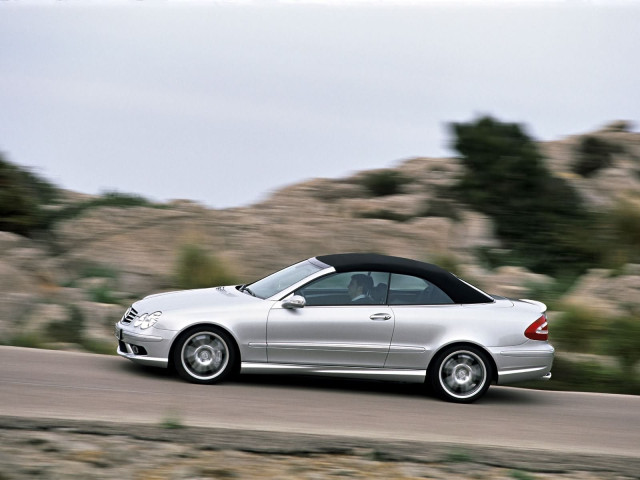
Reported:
(622, 340)
(171, 421)
(98, 270)
(458, 455)
(625, 221)
(118, 199)
(27, 340)
(520, 475)
(492, 258)
(107, 199)
(198, 269)
(384, 182)
(578, 330)
(441, 207)
(103, 294)
(586, 376)
(593, 154)
(70, 330)
(22, 196)
(551, 292)
(447, 261)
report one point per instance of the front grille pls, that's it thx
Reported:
(129, 315)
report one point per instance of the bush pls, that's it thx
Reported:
(586, 376)
(593, 154)
(22, 195)
(70, 330)
(103, 294)
(447, 261)
(384, 182)
(97, 270)
(108, 199)
(198, 269)
(624, 220)
(622, 340)
(441, 207)
(551, 293)
(578, 330)
(26, 340)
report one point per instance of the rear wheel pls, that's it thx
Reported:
(204, 354)
(461, 374)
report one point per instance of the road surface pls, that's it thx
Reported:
(78, 386)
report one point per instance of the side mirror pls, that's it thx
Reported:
(297, 301)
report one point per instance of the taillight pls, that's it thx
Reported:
(538, 330)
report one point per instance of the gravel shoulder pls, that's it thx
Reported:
(57, 449)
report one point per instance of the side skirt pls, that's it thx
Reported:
(398, 375)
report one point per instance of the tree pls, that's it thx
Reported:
(539, 216)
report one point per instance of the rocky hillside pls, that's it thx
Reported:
(82, 276)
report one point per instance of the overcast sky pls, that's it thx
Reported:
(225, 102)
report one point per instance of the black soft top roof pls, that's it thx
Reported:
(458, 291)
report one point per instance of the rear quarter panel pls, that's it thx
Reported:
(421, 331)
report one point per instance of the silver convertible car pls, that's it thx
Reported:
(351, 315)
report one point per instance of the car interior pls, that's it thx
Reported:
(405, 290)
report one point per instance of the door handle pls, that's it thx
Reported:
(380, 316)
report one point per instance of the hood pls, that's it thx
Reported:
(194, 299)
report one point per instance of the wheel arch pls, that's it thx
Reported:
(493, 366)
(217, 326)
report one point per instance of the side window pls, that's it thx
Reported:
(409, 290)
(348, 288)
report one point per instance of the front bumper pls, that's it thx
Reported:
(150, 348)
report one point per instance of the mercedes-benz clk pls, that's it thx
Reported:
(351, 315)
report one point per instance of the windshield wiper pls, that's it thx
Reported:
(244, 288)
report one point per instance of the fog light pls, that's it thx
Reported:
(134, 349)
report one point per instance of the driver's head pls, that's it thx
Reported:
(360, 284)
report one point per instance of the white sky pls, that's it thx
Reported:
(224, 102)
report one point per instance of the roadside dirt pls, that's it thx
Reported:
(64, 449)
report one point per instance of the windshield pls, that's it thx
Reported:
(276, 282)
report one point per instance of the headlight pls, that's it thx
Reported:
(139, 319)
(150, 320)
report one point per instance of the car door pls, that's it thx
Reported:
(330, 329)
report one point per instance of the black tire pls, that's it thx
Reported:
(460, 374)
(204, 354)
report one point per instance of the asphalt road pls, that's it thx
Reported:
(76, 386)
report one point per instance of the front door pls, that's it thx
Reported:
(333, 328)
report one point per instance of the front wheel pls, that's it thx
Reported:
(461, 374)
(204, 355)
